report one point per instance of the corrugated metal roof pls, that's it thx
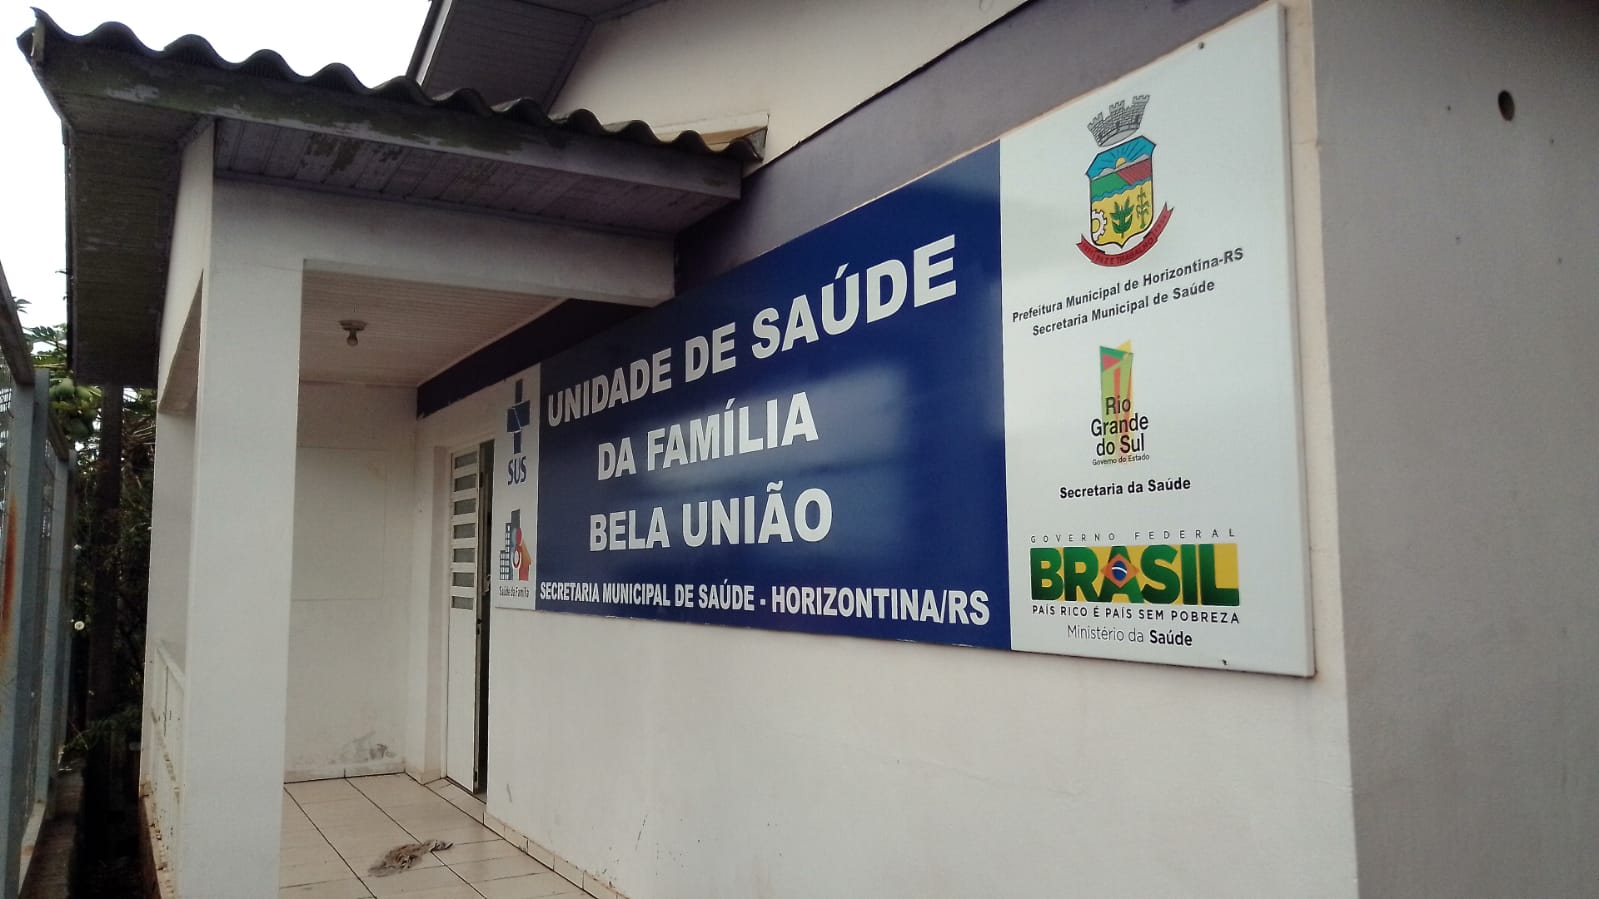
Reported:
(353, 165)
(14, 345)
(503, 49)
(268, 64)
(508, 48)
(129, 109)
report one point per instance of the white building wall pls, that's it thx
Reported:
(240, 566)
(681, 760)
(1461, 277)
(172, 489)
(676, 760)
(350, 681)
(171, 502)
(286, 562)
(191, 245)
(730, 63)
(351, 582)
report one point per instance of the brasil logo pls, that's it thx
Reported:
(1195, 574)
(1121, 188)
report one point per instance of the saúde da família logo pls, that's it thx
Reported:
(1119, 430)
(515, 560)
(1122, 221)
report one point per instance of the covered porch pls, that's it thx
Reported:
(322, 282)
(335, 831)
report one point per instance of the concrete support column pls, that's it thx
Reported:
(240, 560)
(166, 617)
(427, 656)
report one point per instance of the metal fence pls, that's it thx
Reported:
(35, 558)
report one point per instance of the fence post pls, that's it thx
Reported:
(22, 624)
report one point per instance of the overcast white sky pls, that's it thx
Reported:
(372, 37)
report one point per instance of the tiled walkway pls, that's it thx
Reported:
(334, 830)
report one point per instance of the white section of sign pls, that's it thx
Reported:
(1199, 329)
(516, 493)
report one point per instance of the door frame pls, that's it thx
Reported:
(485, 547)
(481, 598)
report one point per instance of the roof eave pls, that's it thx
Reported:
(424, 39)
(459, 124)
(13, 338)
(128, 110)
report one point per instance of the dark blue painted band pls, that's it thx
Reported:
(569, 323)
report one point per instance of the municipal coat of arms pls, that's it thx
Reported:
(1123, 224)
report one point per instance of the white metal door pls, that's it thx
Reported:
(461, 687)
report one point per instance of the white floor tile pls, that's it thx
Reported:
(313, 872)
(298, 839)
(388, 793)
(362, 854)
(532, 886)
(473, 806)
(412, 881)
(372, 832)
(318, 791)
(355, 807)
(337, 889)
(472, 852)
(450, 892)
(498, 868)
(307, 855)
(448, 816)
(363, 864)
(467, 831)
(334, 827)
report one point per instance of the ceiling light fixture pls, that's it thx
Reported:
(352, 327)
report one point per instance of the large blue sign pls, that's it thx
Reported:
(814, 442)
(923, 420)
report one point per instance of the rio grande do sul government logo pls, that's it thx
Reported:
(1122, 224)
(1118, 429)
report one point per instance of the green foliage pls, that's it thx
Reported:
(113, 730)
(74, 406)
(1121, 216)
(122, 542)
(120, 539)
